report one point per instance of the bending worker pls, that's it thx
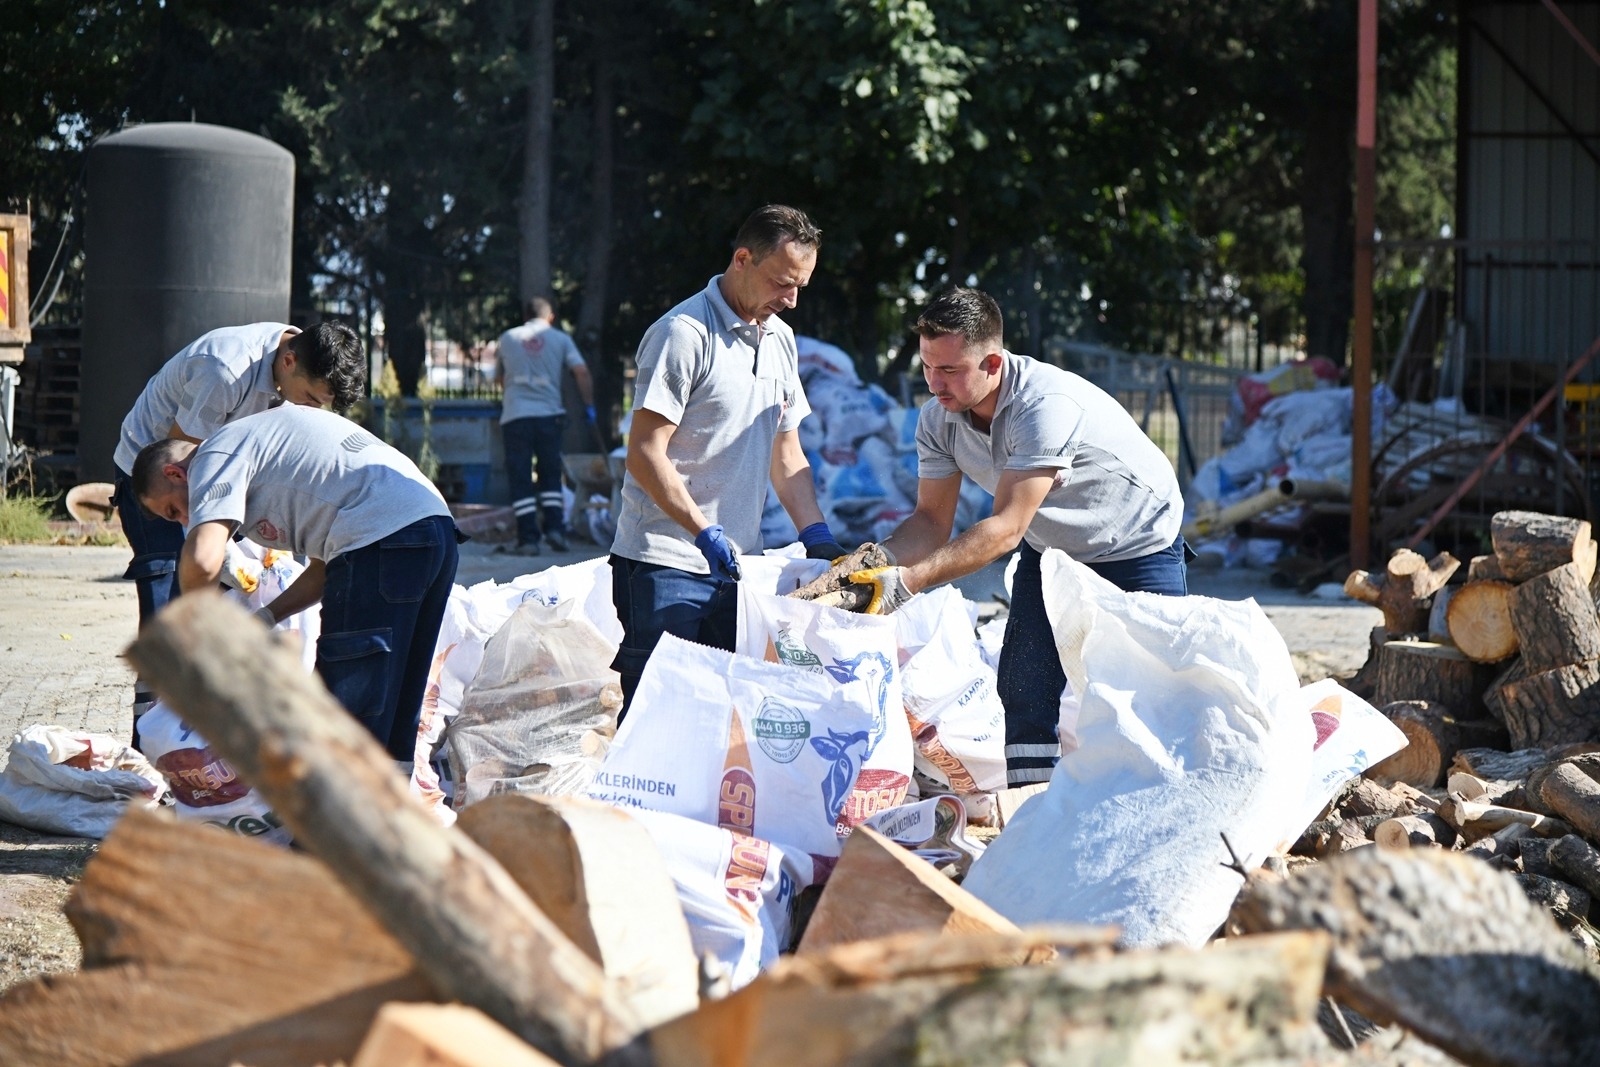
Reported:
(1068, 468)
(381, 542)
(716, 413)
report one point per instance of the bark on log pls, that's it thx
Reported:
(1439, 614)
(1366, 797)
(1413, 831)
(1533, 853)
(599, 877)
(1575, 797)
(1242, 1001)
(835, 588)
(1478, 619)
(443, 1035)
(1485, 569)
(1490, 764)
(1329, 837)
(1555, 620)
(1405, 590)
(1528, 543)
(1426, 670)
(1578, 863)
(1566, 902)
(468, 924)
(202, 948)
(1434, 941)
(1364, 682)
(1555, 707)
(1586, 761)
(1432, 740)
(1502, 844)
(1494, 692)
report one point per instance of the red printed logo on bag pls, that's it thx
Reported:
(267, 531)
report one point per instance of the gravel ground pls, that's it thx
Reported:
(66, 615)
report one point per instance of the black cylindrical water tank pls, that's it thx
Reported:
(189, 229)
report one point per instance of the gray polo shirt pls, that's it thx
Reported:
(1117, 496)
(730, 387)
(309, 481)
(220, 376)
(533, 357)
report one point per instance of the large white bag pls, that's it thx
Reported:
(1351, 735)
(63, 781)
(730, 741)
(957, 721)
(851, 649)
(1189, 730)
(206, 787)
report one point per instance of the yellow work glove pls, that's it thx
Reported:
(889, 592)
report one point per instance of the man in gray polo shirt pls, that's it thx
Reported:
(381, 543)
(1068, 468)
(716, 414)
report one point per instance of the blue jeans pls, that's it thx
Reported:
(1030, 679)
(381, 610)
(526, 441)
(155, 543)
(652, 600)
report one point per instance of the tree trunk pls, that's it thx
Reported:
(1413, 831)
(1576, 798)
(1424, 670)
(1555, 619)
(470, 927)
(1528, 543)
(1432, 736)
(1555, 707)
(533, 206)
(1478, 619)
(1578, 862)
(1327, 221)
(401, 261)
(1404, 591)
(602, 177)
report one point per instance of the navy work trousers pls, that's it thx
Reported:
(155, 543)
(1030, 679)
(652, 600)
(382, 606)
(536, 439)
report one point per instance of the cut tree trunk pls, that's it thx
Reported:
(1578, 863)
(1490, 764)
(1566, 902)
(1478, 619)
(1587, 761)
(599, 877)
(1485, 569)
(1426, 670)
(1366, 797)
(1432, 738)
(1329, 837)
(1555, 620)
(1529, 544)
(1502, 845)
(1555, 707)
(1404, 592)
(1576, 798)
(1494, 699)
(1474, 820)
(1434, 941)
(202, 948)
(467, 923)
(835, 588)
(1413, 831)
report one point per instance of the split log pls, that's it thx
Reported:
(1575, 797)
(1553, 707)
(1533, 853)
(1427, 670)
(1438, 614)
(1474, 820)
(835, 588)
(1528, 544)
(443, 1035)
(1566, 902)
(1555, 620)
(201, 948)
(1405, 590)
(1434, 942)
(1578, 863)
(1478, 620)
(1586, 761)
(1366, 797)
(1414, 831)
(1485, 569)
(1489, 763)
(1008, 802)
(598, 875)
(467, 923)
(1419, 799)
(1242, 1001)
(1502, 844)
(1432, 738)
(1329, 837)
(879, 889)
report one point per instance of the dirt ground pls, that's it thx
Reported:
(66, 615)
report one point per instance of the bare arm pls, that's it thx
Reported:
(653, 470)
(928, 528)
(585, 383)
(791, 479)
(1016, 500)
(305, 591)
(204, 549)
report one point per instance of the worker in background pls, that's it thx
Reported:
(222, 376)
(1068, 468)
(716, 412)
(530, 360)
(379, 537)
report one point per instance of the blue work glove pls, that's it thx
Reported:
(820, 544)
(889, 592)
(713, 545)
(588, 412)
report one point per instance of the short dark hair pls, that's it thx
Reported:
(151, 458)
(331, 352)
(540, 308)
(972, 313)
(770, 226)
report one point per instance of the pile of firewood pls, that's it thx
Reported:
(554, 926)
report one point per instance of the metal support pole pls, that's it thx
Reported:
(1361, 339)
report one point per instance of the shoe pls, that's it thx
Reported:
(526, 548)
(556, 540)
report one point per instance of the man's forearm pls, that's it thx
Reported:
(976, 548)
(793, 482)
(303, 592)
(916, 539)
(662, 484)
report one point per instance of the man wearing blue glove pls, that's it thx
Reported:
(531, 359)
(716, 414)
(1068, 468)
